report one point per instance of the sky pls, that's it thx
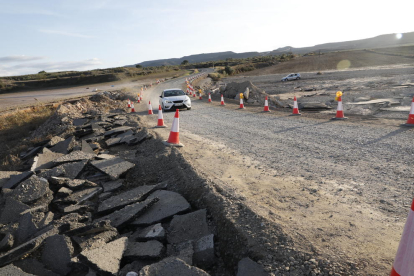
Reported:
(59, 35)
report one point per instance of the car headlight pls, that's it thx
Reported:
(187, 100)
(168, 102)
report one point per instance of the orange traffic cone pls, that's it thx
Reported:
(200, 98)
(241, 103)
(222, 100)
(160, 118)
(266, 106)
(139, 99)
(340, 111)
(150, 108)
(194, 95)
(295, 107)
(174, 138)
(129, 103)
(132, 108)
(410, 121)
(209, 97)
(404, 262)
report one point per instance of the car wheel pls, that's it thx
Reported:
(188, 108)
(298, 78)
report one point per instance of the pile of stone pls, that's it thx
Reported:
(73, 213)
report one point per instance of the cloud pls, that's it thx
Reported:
(53, 66)
(21, 58)
(26, 9)
(65, 33)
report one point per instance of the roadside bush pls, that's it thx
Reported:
(214, 76)
(229, 70)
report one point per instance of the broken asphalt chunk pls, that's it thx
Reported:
(86, 147)
(169, 204)
(106, 259)
(75, 156)
(57, 253)
(16, 179)
(31, 189)
(45, 160)
(144, 250)
(204, 251)
(117, 130)
(247, 267)
(93, 241)
(12, 210)
(114, 167)
(11, 270)
(64, 146)
(191, 226)
(171, 266)
(153, 232)
(26, 229)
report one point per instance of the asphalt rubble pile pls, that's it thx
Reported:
(72, 211)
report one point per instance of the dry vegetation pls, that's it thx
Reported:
(14, 128)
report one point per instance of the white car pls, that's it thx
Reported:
(293, 76)
(172, 99)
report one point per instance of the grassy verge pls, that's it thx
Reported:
(15, 127)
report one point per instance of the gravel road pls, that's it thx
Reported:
(359, 174)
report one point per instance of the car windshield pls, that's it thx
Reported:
(172, 93)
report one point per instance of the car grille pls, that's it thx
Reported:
(177, 101)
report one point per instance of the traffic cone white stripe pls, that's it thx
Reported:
(404, 260)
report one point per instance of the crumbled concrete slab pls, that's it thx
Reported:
(31, 189)
(125, 198)
(169, 204)
(120, 122)
(26, 248)
(86, 147)
(204, 252)
(93, 228)
(83, 195)
(93, 241)
(54, 140)
(45, 160)
(128, 213)
(56, 171)
(153, 232)
(105, 156)
(26, 229)
(112, 186)
(119, 139)
(144, 250)
(247, 267)
(117, 130)
(64, 146)
(192, 226)
(6, 241)
(33, 266)
(106, 259)
(6, 175)
(171, 266)
(75, 156)
(16, 179)
(57, 253)
(73, 184)
(12, 270)
(114, 167)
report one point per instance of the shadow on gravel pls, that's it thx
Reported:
(293, 128)
(391, 134)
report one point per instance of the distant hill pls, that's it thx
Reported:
(382, 41)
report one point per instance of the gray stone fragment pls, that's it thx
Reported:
(63, 192)
(247, 267)
(79, 121)
(57, 253)
(56, 171)
(192, 226)
(111, 186)
(31, 189)
(86, 147)
(47, 219)
(6, 241)
(93, 228)
(169, 204)
(64, 146)
(125, 198)
(105, 156)
(45, 160)
(134, 267)
(183, 251)
(75, 156)
(73, 184)
(83, 195)
(32, 152)
(171, 266)
(16, 179)
(106, 259)
(33, 266)
(73, 169)
(144, 250)
(5, 177)
(12, 270)
(26, 248)
(117, 130)
(204, 252)
(93, 241)
(114, 167)
(54, 141)
(128, 213)
(153, 232)
(12, 210)
(26, 229)
(119, 139)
